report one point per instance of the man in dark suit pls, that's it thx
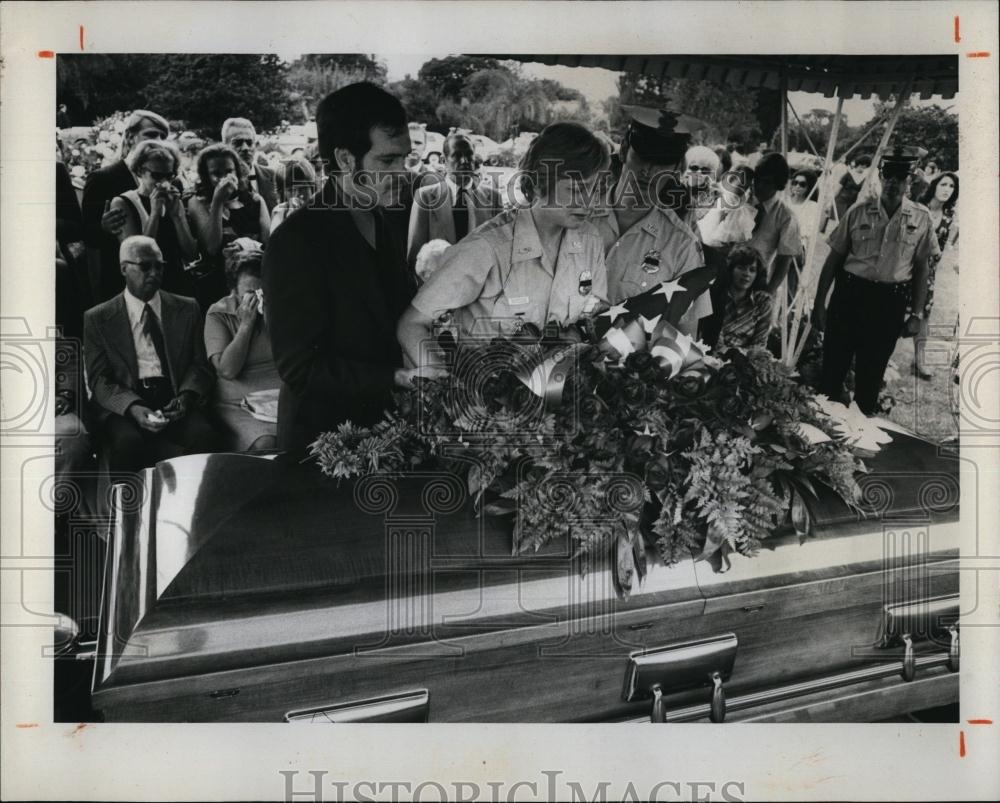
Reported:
(146, 366)
(334, 275)
(450, 209)
(240, 135)
(101, 224)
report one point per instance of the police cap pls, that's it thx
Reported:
(659, 135)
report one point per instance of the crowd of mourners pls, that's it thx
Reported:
(228, 303)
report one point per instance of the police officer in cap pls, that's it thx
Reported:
(646, 239)
(879, 257)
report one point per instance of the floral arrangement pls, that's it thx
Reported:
(619, 454)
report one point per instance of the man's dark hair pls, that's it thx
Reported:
(454, 139)
(772, 167)
(862, 160)
(345, 118)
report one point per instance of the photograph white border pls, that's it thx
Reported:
(42, 760)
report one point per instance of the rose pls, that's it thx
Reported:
(690, 387)
(658, 473)
(683, 438)
(606, 390)
(731, 407)
(592, 408)
(728, 375)
(633, 390)
(639, 361)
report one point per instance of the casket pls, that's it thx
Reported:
(244, 588)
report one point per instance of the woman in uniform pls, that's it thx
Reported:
(529, 265)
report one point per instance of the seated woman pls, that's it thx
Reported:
(295, 181)
(222, 210)
(238, 346)
(742, 303)
(154, 208)
(529, 265)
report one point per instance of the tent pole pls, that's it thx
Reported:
(806, 277)
(901, 101)
(784, 114)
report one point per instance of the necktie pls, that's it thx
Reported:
(151, 328)
(461, 213)
(759, 218)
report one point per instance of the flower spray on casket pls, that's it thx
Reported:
(622, 434)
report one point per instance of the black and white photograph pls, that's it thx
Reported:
(432, 384)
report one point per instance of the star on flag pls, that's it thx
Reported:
(615, 311)
(668, 289)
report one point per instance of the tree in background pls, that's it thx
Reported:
(446, 77)
(312, 77)
(727, 112)
(205, 90)
(201, 90)
(95, 85)
(929, 127)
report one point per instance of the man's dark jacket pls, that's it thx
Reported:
(332, 304)
(102, 186)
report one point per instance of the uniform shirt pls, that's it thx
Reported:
(883, 249)
(776, 233)
(499, 277)
(145, 351)
(676, 245)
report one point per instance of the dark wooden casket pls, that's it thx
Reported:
(241, 588)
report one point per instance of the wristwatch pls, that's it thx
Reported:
(918, 315)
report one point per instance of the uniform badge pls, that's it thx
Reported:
(651, 262)
(586, 283)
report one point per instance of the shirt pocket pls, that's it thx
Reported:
(867, 242)
(908, 240)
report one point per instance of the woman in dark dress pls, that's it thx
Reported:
(223, 209)
(154, 209)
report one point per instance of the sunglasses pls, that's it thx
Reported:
(239, 143)
(699, 169)
(157, 176)
(146, 265)
(800, 184)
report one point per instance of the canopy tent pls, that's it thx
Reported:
(842, 77)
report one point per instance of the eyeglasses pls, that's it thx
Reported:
(699, 169)
(145, 265)
(239, 143)
(157, 176)
(799, 183)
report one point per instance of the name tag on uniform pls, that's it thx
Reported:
(518, 301)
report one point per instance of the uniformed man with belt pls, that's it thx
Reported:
(645, 240)
(529, 265)
(879, 255)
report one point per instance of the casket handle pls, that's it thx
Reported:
(933, 619)
(657, 672)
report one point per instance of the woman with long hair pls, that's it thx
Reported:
(941, 198)
(223, 209)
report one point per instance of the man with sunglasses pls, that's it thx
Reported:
(879, 257)
(646, 240)
(146, 367)
(240, 135)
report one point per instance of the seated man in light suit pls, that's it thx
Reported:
(146, 366)
(450, 209)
